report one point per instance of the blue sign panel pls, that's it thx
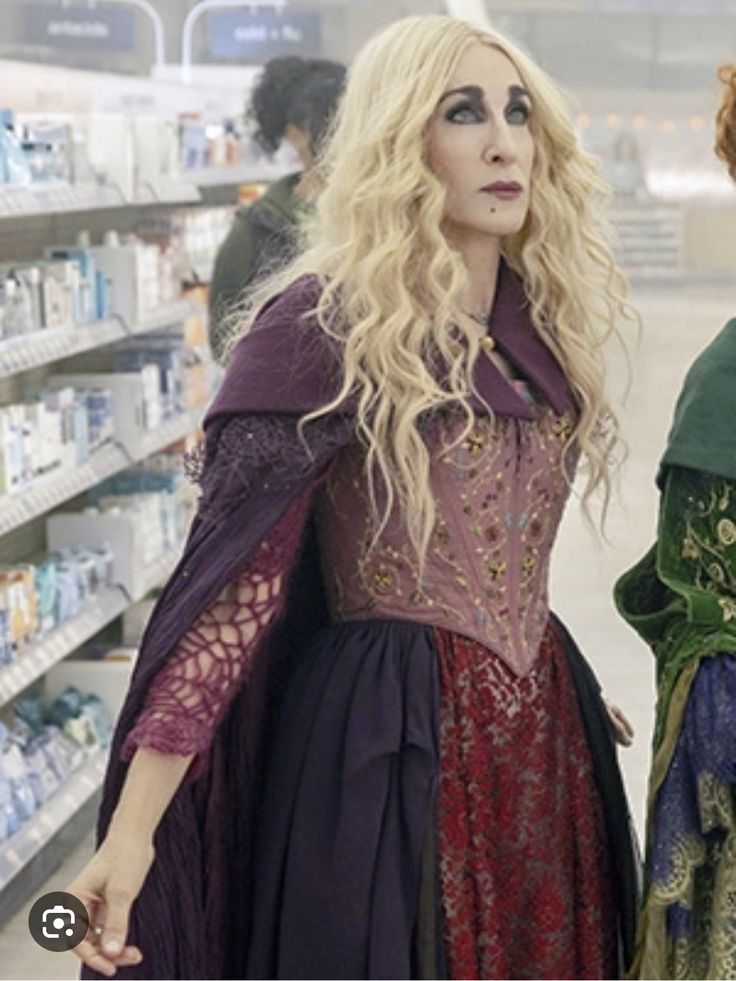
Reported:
(255, 37)
(79, 28)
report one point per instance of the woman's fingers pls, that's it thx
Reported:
(118, 900)
(130, 955)
(622, 729)
(88, 952)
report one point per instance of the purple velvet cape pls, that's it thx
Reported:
(192, 917)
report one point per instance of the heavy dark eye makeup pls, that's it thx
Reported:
(518, 109)
(517, 113)
(465, 112)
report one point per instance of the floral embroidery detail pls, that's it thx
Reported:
(529, 564)
(382, 580)
(563, 427)
(726, 531)
(689, 549)
(729, 608)
(709, 540)
(488, 556)
(474, 443)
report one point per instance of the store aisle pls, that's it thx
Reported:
(677, 324)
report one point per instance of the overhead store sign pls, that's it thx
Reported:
(78, 28)
(256, 37)
(660, 6)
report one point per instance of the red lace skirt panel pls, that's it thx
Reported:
(524, 874)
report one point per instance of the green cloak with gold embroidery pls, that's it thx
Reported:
(681, 599)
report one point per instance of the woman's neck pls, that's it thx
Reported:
(482, 257)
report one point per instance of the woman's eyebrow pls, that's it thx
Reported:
(476, 93)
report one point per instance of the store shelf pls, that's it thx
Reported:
(167, 433)
(245, 174)
(167, 192)
(22, 202)
(19, 202)
(55, 488)
(34, 834)
(36, 659)
(46, 346)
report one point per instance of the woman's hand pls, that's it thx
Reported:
(623, 731)
(108, 886)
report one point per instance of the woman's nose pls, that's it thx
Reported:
(499, 145)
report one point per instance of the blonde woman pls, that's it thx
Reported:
(357, 744)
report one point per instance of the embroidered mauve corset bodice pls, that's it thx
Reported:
(499, 497)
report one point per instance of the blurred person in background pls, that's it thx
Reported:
(681, 598)
(357, 743)
(293, 100)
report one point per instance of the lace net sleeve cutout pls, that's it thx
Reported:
(194, 688)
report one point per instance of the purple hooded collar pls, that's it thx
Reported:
(281, 367)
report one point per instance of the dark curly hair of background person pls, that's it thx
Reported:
(281, 96)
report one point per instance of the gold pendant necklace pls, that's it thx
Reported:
(484, 321)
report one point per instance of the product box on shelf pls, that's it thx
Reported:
(17, 585)
(111, 149)
(14, 166)
(90, 288)
(36, 598)
(133, 533)
(108, 677)
(11, 448)
(155, 149)
(136, 400)
(59, 292)
(131, 272)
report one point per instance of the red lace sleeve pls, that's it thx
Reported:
(193, 689)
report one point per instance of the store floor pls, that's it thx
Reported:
(677, 324)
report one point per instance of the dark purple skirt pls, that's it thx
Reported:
(347, 806)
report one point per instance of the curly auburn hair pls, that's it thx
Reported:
(726, 119)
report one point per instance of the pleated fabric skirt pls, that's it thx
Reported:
(427, 814)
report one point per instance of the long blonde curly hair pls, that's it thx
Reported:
(392, 284)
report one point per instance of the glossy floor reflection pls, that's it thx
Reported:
(677, 325)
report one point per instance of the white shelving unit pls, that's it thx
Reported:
(24, 201)
(54, 488)
(18, 850)
(68, 209)
(20, 202)
(37, 658)
(244, 174)
(46, 346)
(27, 842)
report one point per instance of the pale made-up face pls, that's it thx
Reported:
(480, 146)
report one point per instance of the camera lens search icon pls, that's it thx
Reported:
(55, 920)
(58, 921)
